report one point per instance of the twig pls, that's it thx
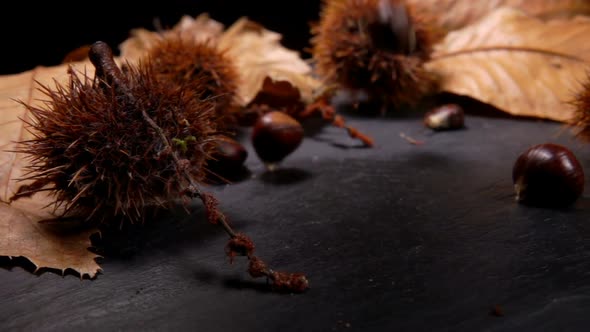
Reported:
(239, 244)
(328, 113)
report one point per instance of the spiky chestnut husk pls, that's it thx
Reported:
(95, 152)
(199, 66)
(580, 121)
(378, 46)
(123, 141)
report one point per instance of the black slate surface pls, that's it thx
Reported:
(398, 237)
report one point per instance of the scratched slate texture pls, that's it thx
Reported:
(398, 237)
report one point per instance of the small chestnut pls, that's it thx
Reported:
(275, 136)
(228, 157)
(445, 117)
(548, 175)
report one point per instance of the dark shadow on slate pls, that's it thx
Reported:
(232, 282)
(433, 132)
(25, 264)
(548, 206)
(427, 160)
(9, 264)
(164, 229)
(258, 285)
(206, 276)
(344, 146)
(285, 176)
(225, 178)
(22, 262)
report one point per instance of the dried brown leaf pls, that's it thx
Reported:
(21, 233)
(517, 63)
(261, 59)
(455, 14)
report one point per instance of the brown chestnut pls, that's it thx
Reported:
(548, 175)
(276, 135)
(228, 157)
(445, 117)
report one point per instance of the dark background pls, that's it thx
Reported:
(43, 33)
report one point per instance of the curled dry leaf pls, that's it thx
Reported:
(264, 64)
(455, 14)
(267, 69)
(21, 233)
(517, 63)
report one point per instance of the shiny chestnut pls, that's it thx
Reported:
(445, 117)
(228, 157)
(548, 175)
(276, 135)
